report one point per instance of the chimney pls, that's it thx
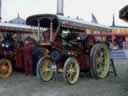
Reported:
(0, 9)
(60, 5)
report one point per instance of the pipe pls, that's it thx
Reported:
(0, 10)
(60, 5)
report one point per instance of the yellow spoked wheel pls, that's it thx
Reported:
(71, 70)
(100, 61)
(44, 69)
(5, 68)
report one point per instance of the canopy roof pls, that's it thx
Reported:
(17, 20)
(44, 21)
(9, 27)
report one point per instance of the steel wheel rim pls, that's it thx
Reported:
(5, 68)
(102, 62)
(45, 70)
(72, 72)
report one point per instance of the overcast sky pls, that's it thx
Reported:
(102, 9)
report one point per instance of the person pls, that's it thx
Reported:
(36, 57)
(28, 55)
(115, 45)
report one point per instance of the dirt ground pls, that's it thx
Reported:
(20, 85)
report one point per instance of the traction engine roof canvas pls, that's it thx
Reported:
(44, 20)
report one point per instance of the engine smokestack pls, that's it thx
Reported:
(60, 5)
(0, 10)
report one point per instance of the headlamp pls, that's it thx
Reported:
(2, 45)
(6, 45)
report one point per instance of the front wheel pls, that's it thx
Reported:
(100, 60)
(5, 68)
(71, 70)
(45, 70)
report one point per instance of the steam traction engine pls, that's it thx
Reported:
(69, 48)
(6, 53)
(11, 47)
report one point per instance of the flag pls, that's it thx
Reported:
(94, 20)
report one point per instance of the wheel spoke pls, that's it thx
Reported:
(99, 70)
(70, 76)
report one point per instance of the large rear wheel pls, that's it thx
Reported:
(45, 70)
(71, 70)
(5, 68)
(100, 61)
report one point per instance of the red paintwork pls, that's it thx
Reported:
(84, 59)
(90, 41)
(58, 46)
(59, 64)
(1, 52)
(19, 58)
(84, 62)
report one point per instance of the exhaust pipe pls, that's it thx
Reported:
(0, 10)
(60, 5)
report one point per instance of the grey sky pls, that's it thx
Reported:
(102, 9)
